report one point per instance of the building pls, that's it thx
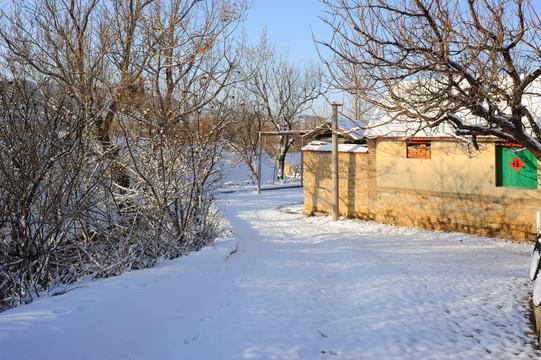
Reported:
(431, 180)
(349, 132)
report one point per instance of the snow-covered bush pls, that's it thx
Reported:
(63, 214)
(107, 147)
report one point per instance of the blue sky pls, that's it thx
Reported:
(289, 24)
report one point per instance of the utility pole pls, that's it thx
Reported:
(260, 153)
(334, 155)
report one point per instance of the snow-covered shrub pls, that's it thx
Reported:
(41, 160)
(119, 170)
(65, 216)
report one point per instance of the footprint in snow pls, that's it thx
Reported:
(60, 311)
(140, 285)
(210, 317)
(322, 334)
(332, 352)
(189, 339)
(82, 309)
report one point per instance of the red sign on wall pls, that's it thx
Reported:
(516, 163)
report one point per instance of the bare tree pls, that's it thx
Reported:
(113, 53)
(249, 118)
(115, 148)
(471, 64)
(283, 89)
(42, 172)
(357, 110)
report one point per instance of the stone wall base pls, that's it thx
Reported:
(480, 215)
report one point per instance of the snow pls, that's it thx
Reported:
(537, 292)
(384, 125)
(325, 146)
(353, 129)
(286, 286)
(390, 124)
(238, 177)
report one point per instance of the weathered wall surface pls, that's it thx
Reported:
(353, 183)
(481, 215)
(455, 190)
(452, 168)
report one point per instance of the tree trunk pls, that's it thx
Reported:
(285, 144)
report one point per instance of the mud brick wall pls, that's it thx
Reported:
(361, 197)
(353, 183)
(418, 151)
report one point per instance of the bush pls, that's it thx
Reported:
(63, 214)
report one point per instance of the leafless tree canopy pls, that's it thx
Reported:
(474, 64)
(108, 144)
(282, 90)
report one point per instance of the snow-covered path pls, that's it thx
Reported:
(365, 290)
(296, 288)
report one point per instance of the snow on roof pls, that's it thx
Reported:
(325, 146)
(348, 128)
(355, 129)
(381, 125)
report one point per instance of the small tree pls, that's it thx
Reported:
(284, 90)
(471, 64)
(243, 134)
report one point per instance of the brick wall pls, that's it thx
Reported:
(352, 183)
(361, 197)
(418, 151)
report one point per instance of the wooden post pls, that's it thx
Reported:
(302, 162)
(259, 163)
(335, 209)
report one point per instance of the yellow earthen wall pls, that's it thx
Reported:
(452, 168)
(453, 191)
(352, 180)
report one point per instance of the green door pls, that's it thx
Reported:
(516, 169)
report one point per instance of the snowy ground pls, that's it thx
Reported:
(285, 286)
